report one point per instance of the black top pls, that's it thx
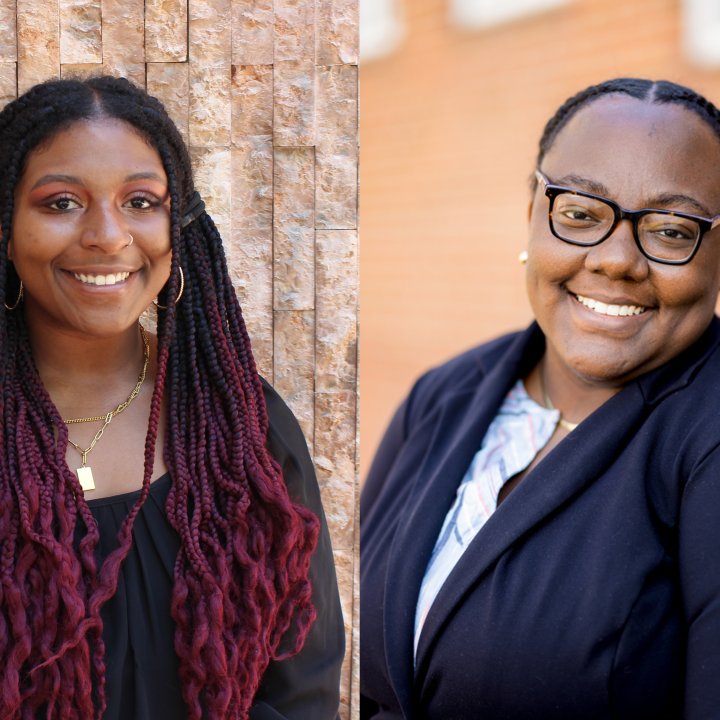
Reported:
(593, 591)
(142, 667)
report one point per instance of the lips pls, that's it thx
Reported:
(610, 309)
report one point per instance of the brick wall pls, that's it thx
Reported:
(265, 94)
(450, 126)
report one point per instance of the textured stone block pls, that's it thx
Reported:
(210, 107)
(252, 183)
(8, 83)
(249, 255)
(253, 32)
(252, 101)
(294, 116)
(294, 365)
(294, 186)
(166, 30)
(335, 462)
(149, 319)
(80, 31)
(295, 30)
(80, 71)
(123, 33)
(336, 302)
(355, 679)
(294, 241)
(210, 33)
(38, 42)
(212, 169)
(8, 31)
(344, 567)
(336, 146)
(294, 276)
(337, 32)
(168, 82)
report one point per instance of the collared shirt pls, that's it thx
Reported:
(517, 434)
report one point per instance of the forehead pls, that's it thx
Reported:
(639, 150)
(95, 147)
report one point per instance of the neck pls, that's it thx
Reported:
(87, 375)
(574, 396)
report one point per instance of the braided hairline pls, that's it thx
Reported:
(659, 92)
(244, 530)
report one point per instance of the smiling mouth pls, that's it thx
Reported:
(605, 309)
(102, 279)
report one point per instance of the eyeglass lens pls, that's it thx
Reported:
(585, 221)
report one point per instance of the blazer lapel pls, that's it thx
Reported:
(576, 461)
(460, 427)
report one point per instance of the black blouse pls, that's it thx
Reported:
(141, 664)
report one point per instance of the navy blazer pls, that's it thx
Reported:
(594, 589)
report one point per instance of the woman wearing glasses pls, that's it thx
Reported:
(541, 525)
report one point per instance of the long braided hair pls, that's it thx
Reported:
(241, 575)
(659, 91)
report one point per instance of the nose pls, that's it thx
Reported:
(618, 256)
(105, 229)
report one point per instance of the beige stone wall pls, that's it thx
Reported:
(265, 94)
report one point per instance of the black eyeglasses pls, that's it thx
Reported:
(585, 219)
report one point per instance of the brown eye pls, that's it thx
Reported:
(139, 203)
(63, 204)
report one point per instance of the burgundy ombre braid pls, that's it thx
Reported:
(242, 593)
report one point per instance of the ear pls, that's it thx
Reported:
(530, 209)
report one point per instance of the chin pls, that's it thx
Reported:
(607, 366)
(104, 325)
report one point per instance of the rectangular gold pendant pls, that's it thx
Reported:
(86, 479)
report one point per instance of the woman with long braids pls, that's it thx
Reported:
(163, 550)
(541, 525)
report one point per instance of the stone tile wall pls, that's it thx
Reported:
(265, 94)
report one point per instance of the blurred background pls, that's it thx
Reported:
(454, 96)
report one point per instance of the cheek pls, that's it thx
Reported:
(551, 264)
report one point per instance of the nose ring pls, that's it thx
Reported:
(131, 240)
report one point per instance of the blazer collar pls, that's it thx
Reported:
(460, 423)
(680, 371)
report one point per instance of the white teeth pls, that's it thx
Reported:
(102, 279)
(614, 310)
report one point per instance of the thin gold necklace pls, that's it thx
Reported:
(84, 473)
(561, 421)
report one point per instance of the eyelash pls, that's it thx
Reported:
(154, 202)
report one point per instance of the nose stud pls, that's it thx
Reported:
(131, 240)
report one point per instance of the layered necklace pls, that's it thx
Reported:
(84, 473)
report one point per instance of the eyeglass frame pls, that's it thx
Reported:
(634, 216)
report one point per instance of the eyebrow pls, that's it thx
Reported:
(662, 201)
(47, 179)
(145, 176)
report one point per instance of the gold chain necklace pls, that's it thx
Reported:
(561, 421)
(84, 473)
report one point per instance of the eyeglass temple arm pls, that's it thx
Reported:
(544, 183)
(715, 222)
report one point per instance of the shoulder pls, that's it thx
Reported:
(288, 446)
(460, 375)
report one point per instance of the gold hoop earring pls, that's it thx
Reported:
(177, 299)
(17, 302)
